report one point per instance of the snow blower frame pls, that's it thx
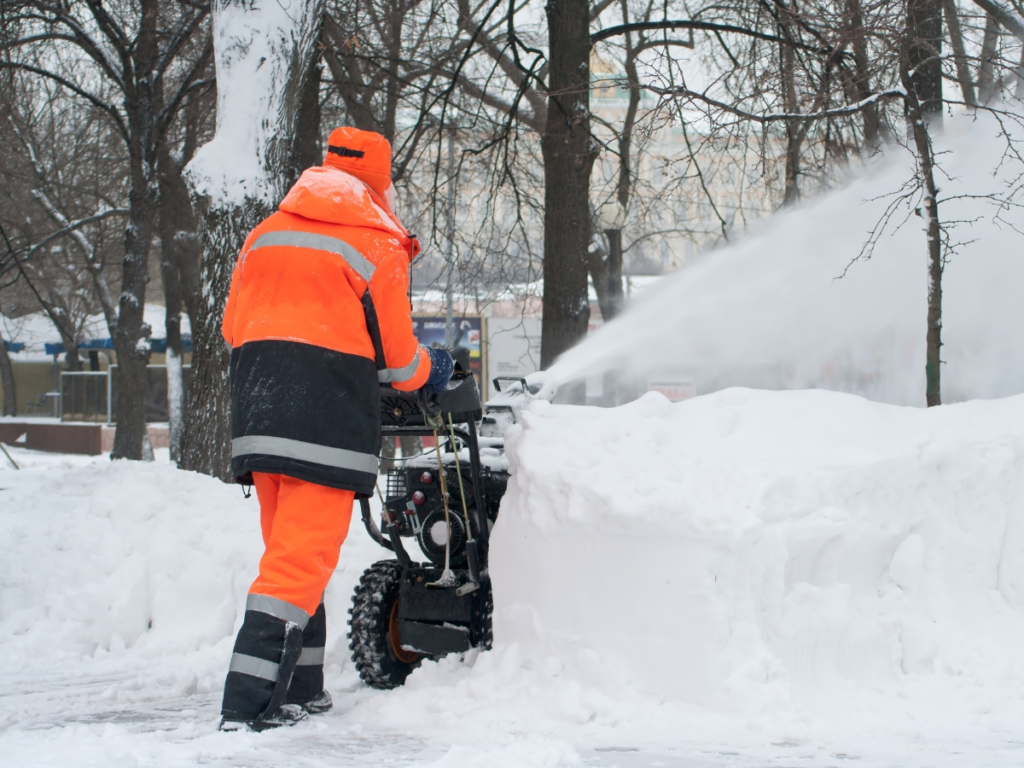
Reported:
(402, 610)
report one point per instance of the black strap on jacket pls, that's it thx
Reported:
(373, 326)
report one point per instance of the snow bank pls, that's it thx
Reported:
(741, 549)
(743, 579)
(120, 556)
(768, 311)
(104, 560)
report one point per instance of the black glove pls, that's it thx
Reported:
(441, 368)
(429, 404)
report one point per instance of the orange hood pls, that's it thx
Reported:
(334, 196)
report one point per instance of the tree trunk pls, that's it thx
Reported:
(206, 438)
(179, 257)
(614, 285)
(986, 73)
(629, 121)
(172, 326)
(179, 239)
(607, 278)
(71, 358)
(306, 150)
(956, 41)
(792, 188)
(395, 16)
(569, 153)
(923, 52)
(919, 130)
(790, 104)
(60, 314)
(186, 238)
(597, 266)
(605, 267)
(175, 390)
(130, 341)
(10, 404)
(232, 200)
(1018, 90)
(861, 75)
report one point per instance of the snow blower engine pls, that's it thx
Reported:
(446, 499)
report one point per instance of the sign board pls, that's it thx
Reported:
(513, 347)
(467, 332)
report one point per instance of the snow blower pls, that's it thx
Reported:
(447, 500)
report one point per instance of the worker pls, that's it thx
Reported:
(317, 317)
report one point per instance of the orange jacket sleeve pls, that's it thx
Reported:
(408, 364)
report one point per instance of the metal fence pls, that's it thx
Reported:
(85, 396)
(92, 396)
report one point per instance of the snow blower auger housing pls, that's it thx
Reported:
(403, 610)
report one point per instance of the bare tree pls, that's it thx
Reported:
(136, 52)
(62, 198)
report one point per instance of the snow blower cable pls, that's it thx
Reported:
(447, 577)
(470, 541)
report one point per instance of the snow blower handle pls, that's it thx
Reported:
(430, 404)
(520, 379)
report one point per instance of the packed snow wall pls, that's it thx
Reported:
(734, 549)
(788, 305)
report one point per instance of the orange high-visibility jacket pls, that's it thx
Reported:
(317, 316)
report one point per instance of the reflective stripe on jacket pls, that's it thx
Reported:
(318, 314)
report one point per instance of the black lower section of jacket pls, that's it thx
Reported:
(310, 394)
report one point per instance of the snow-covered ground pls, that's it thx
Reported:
(743, 579)
(749, 578)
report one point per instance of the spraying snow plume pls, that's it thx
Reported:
(791, 306)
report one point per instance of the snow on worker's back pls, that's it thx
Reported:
(744, 548)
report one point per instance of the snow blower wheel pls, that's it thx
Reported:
(376, 649)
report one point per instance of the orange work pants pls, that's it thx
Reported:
(304, 526)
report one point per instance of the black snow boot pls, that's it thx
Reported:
(266, 651)
(307, 688)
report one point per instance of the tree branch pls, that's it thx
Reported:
(94, 100)
(1003, 17)
(47, 307)
(707, 26)
(776, 117)
(70, 226)
(600, 7)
